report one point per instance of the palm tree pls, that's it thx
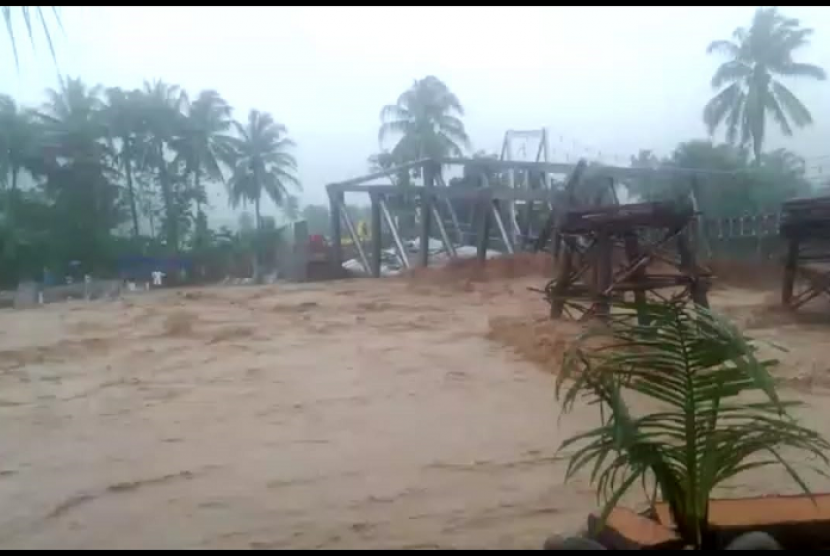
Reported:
(204, 142)
(755, 56)
(123, 117)
(427, 119)
(162, 113)
(79, 166)
(74, 127)
(18, 141)
(25, 12)
(261, 163)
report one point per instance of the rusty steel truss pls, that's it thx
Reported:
(805, 225)
(585, 229)
(608, 251)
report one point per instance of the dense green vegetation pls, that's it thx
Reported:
(735, 185)
(112, 172)
(94, 173)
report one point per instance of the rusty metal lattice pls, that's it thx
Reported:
(607, 254)
(805, 225)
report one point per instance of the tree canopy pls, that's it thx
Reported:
(427, 121)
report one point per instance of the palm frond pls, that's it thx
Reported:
(25, 12)
(392, 127)
(794, 69)
(394, 112)
(717, 108)
(792, 106)
(728, 48)
(733, 70)
(775, 108)
(789, 39)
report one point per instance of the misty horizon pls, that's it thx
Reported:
(637, 79)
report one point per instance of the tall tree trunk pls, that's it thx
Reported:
(152, 224)
(128, 170)
(257, 243)
(756, 150)
(197, 187)
(171, 223)
(15, 173)
(13, 192)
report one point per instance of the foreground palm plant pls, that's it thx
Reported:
(713, 411)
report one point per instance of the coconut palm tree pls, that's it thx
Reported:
(79, 167)
(161, 109)
(124, 120)
(261, 163)
(204, 141)
(74, 128)
(426, 118)
(26, 14)
(756, 56)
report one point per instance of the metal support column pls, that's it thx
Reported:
(426, 213)
(483, 239)
(335, 202)
(376, 235)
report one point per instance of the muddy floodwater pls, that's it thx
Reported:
(374, 413)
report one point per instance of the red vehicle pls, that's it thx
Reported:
(318, 248)
(319, 265)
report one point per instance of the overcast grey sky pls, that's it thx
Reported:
(605, 80)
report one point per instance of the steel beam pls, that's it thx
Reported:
(352, 232)
(390, 222)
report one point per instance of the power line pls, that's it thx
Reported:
(581, 148)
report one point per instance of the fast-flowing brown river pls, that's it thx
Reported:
(374, 413)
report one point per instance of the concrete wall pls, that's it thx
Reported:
(27, 292)
(292, 252)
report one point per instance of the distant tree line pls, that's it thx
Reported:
(94, 173)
